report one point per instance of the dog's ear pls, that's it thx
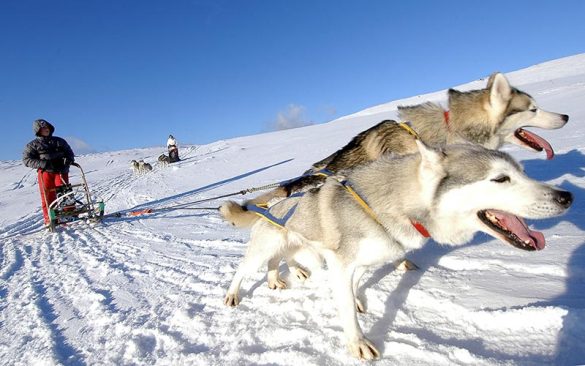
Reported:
(428, 154)
(500, 91)
(431, 159)
(430, 171)
(490, 81)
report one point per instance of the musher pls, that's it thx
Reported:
(51, 156)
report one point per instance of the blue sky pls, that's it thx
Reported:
(114, 75)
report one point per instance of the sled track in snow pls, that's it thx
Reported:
(83, 286)
(26, 177)
(26, 225)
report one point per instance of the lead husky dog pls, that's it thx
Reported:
(452, 193)
(489, 117)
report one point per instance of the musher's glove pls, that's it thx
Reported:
(58, 164)
(46, 165)
(68, 161)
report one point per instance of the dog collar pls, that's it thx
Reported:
(420, 228)
(446, 118)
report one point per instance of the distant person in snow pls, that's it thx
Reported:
(173, 149)
(51, 156)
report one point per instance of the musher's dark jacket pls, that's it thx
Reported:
(51, 153)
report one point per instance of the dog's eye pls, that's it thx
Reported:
(533, 110)
(501, 179)
(514, 111)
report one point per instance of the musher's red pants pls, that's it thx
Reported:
(47, 184)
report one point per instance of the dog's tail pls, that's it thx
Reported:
(239, 216)
(422, 113)
(322, 164)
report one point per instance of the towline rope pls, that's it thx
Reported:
(184, 206)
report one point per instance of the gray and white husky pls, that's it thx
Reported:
(490, 117)
(453, 193)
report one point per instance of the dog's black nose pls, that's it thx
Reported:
(565, 117)
(564, 198)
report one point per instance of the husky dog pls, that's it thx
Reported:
(135, 166)
(453, 193)
(144, 167)
(489, 117)
(164, 160)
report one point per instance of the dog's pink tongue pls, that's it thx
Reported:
(519, 227)
(540, 142)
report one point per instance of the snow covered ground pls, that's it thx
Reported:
(149, 289)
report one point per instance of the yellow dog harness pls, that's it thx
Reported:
(263, 210)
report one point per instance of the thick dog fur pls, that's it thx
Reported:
(454, 193)
(489, 117)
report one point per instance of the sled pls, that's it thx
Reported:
(73, 203)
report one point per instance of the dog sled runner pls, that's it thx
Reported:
(73, 203)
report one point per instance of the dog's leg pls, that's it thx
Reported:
(357, 276)
(296, 269)
(342, 286)
(274, 280)
(250, 264)
(307, 256)
(406, 265)
(264, 245)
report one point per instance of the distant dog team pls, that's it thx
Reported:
(140, 167)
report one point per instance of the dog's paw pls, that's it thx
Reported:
(231, 300)
(276, 283)
(407, 265)
(363, 349)
(359, 306)
(301, 274)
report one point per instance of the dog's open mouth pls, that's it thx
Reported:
(534, 142)
(512, 229)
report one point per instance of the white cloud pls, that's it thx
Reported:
(79, 146)
(292, 117)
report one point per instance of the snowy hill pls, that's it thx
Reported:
(149, 289)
